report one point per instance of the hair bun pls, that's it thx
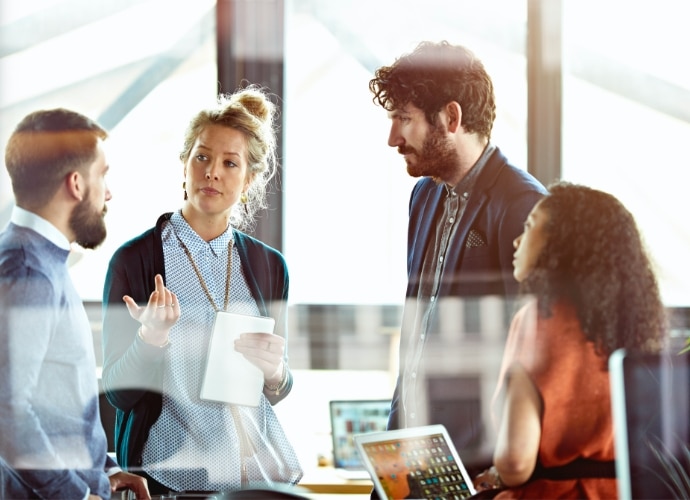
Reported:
(256, 102)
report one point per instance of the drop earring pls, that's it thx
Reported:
(184, 187)
(244, 199)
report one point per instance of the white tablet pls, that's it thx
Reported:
(229, 377)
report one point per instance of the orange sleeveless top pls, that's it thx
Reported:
(573, 383)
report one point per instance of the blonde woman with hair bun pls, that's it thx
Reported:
(163, 291)
(251, 112)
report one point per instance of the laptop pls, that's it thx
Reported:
(350, 417)
(417, 462)
(651, 415)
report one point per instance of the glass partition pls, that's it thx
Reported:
(143, 67)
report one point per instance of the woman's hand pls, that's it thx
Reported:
(159, 315)
(488, 480)
(266, 351)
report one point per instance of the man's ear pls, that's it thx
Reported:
(454, 116)
(75, 185)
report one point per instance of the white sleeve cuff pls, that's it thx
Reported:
(113, 470)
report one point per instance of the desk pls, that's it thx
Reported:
(338, 496)
(326, 480)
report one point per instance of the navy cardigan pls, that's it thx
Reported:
(132, 369)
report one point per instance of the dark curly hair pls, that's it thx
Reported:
(594, 258)
(433, 75)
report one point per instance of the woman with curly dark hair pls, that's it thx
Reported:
(592, 290)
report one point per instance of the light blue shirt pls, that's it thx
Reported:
(193, 445)
(48, 386)
(30, 220)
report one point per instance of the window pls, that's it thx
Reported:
(139, 77)
(626, 120)
(143, 74)
(346, 192)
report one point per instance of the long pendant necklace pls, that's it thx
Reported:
(201, 278)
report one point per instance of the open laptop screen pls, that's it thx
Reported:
(417, 462)
(350, 417)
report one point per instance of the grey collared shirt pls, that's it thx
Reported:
(413, 408)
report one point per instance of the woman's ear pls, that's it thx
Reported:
(248, 182)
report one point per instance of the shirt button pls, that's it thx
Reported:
(440, 259)
(414, 374)
(451, 219)
(432, 298)
(413, 416)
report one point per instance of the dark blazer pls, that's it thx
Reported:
(132, 370)
(482, 264)
(501, 199)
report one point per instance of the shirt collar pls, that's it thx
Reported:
(30, 220)
(464, 187)
(195, 242)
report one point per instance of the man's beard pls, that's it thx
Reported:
(438, 159)
(88, 224)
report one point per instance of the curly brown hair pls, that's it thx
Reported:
(594, 258)
(433, 75)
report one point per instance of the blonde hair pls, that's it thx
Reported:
(250, 111)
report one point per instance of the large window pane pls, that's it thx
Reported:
(346, 191)
(117, 62)
(626, 119)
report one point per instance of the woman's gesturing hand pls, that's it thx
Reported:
(158, 316)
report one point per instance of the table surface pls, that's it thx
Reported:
(338, 496)
(325, 480)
